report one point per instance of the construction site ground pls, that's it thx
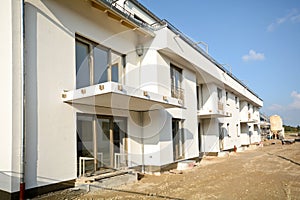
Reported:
(268, 172)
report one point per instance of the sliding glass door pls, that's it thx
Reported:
(102, 140)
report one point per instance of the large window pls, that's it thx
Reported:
(82, 65)
(102, 139)
(96, 64)
(219, 94)
(176, 79)
(220, 104)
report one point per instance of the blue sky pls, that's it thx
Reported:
(259, 39)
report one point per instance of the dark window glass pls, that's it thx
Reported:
(100, 65)
(115, 73)
(82, 65)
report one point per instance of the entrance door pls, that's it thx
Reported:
(178, 139)
(102, 138)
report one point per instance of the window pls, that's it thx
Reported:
(103, 138)
(178, 139)
(226, 97)
(115, 73)
(221, 136)
(237, 130)
(176, 79)
(220, 104)
(96, 64)
(82, 65)
(228, 130)
(197, 93)
(100, 58)
(219, 94)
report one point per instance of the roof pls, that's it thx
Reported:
(163, 23)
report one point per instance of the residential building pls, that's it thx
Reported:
(109, 84)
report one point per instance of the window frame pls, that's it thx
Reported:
(176, 91)
(92, 45)
(219, 94)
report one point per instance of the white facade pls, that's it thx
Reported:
(170, 102)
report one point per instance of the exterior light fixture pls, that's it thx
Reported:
(101, 87)
(139, 50)
(120, 87)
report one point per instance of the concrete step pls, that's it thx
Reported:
(102, 176)
(109, 181)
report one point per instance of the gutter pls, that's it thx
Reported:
(23, 99)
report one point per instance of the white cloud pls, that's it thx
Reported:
(252, 55)
(275, 107)
(292, 16)
(290, 112)
(296, 100)
(271, 27)
(295, 18)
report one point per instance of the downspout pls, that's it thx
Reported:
(23, 97)
(142, 140)
(141, 112)
(203, 138)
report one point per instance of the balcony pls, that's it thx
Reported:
(126, 17)
(248, 118)
(116, 96)
(217, 112)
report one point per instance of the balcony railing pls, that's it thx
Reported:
(128, 14)
(121, 160)
(220, 106)
(177, 92)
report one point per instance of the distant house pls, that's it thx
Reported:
(264, 125)
(110, 84)
(276, 126)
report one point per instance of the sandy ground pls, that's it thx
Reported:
(269, 172)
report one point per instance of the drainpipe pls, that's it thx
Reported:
(142, 140)
(23, 97)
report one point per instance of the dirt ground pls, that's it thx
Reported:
(269, 172)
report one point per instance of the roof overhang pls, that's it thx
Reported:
(208, 114)
(116, 96)
(250, 121)
(114, 11)
(265, 124)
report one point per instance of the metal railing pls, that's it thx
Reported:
(164, 23)
(121, 160)
(113, 5)
(177, 92)
(220, 106)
